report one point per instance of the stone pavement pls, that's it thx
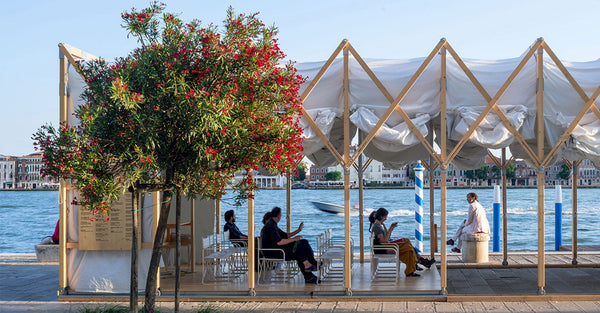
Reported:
(28, 286)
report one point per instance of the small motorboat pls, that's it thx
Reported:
(331, 208)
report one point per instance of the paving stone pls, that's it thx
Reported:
(325, 307)
(448, 307)
(369, 307)
(288, 307)
(345, 307)
(421, 307)
(494, 307)
(566, 306)
(589, 306)
(394, 307)
(471, 307)
(542, 307)
(308, 307)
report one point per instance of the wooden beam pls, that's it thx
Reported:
(504, 210)
(251, 251)
(492, 102)
(397, 100)
(347, 233)
(443, 167)
(62, 195)
(574, 174)
(359, 170)
(540, 172)
(390, 99)
(288, 202)
(322, 136)
(443, 108)
(494, 159)
(323, 70)
(572, 126)
(367, 164)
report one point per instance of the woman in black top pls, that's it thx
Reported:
(295, 247)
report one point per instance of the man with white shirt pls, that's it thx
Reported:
(476, 222)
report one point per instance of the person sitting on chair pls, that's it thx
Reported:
(406, 252)
(234, 232)
(295, 248)
(476, 222)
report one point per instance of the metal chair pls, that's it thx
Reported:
(273, 267)
(385, 266)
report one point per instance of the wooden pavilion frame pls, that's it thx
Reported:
(540, 159)
(435, 160)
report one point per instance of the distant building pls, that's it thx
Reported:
(7, 172)
(28, 173)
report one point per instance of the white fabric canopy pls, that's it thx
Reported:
(395, 144)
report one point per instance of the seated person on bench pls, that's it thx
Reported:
(295, 247)
(476, 222)
(406, 252)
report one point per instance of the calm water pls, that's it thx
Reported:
(27, 217)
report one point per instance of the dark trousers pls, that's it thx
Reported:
(303, 252)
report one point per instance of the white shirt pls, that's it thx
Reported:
(477, 221)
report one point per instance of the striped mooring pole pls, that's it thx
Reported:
(557, 217)
(419, 207)
(496, 226)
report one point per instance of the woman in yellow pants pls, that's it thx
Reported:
(407, 253)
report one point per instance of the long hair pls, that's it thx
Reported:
(376, 215)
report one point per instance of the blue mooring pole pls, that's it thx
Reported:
(558, 217)
(496, 238)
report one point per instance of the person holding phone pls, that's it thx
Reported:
(407, 253)
(295, 247)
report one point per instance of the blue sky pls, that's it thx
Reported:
(309, 31)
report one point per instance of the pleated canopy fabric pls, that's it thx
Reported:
(395, 144)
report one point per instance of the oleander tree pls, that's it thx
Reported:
(183, 112)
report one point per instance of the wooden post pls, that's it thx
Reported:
(288, 201)
(540, 173)
(443, 168)
(177, 248)
(431, 168)
(218, 219)
(444, 265)
(133, 286)
(504, 169)
(155, 216)
(574, 170)
(251, 248)
(360, 170)
(192, 256)
(346, 165)
(62, 237)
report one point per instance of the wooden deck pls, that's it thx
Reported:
(362, 285)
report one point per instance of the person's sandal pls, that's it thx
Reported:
(450, 242)
(413, 274)
(455, 249)
(312, 280)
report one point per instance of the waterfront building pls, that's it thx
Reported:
(7, 172)
(28, 173)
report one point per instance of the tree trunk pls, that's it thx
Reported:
(177, 248)
(133, 287)
(159, 237)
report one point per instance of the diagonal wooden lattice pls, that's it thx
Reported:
(537, 157)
